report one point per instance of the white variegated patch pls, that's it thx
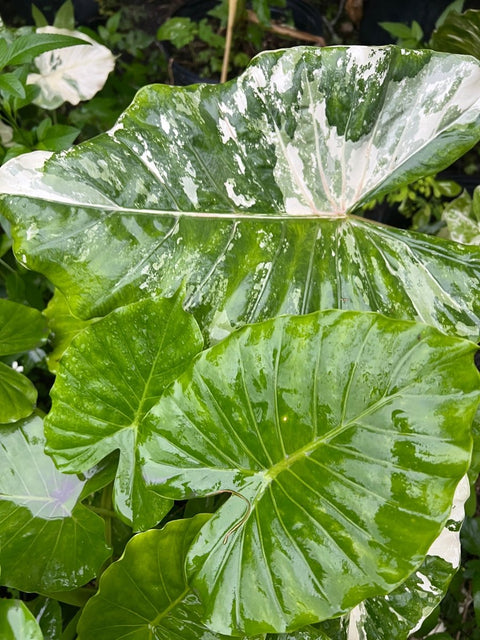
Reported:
(71, 74)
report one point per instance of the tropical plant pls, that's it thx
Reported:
(276, 394)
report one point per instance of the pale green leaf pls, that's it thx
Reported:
(48, 542)
(109, 378)
(343, 436)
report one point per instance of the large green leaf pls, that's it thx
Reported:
(48, 542)
(462, 217)
(109, 378)
(16, 622)
(242, 190)
(343, 436)
(144, 595)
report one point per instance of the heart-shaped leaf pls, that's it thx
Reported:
(342, 436)
(109, 378)
(242, 191)
(145, 593)
(48, 542)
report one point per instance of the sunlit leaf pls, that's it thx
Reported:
(343, 436)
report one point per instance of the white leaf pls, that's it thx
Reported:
(71, 74)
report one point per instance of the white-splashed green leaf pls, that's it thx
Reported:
(462, 216)
(108, 379)
(72, 74)
(48, 541)
(343, 436)
(243, 192)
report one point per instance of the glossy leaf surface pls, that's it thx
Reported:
(16, 622)
(21, 328)
(343, 435)
(460, 33)
(241, 191)
(17, 395)
(403, 611)
(48, 542)
(109, 378)
(144, 595)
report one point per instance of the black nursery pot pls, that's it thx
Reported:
(305, 16)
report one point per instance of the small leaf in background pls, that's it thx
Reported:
(48, 614)
(327, 448)
(10, 85)
(108, 379)
(65, 16)
(179, 31)
(21, 328)
(57, 137)
(42, 503)
(459, 33)
(17, 622)
(70, 75)
(461, 216)
(38, 18)
(18, 395)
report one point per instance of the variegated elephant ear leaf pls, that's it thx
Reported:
(243, 191)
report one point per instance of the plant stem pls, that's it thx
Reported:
(285, 30)
(108, 513)
(232, 11)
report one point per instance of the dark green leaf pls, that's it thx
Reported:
(48, 614)
(27, 47)
(58, 137)
(17, 395)
(144, 595)
(459, 33)
(344, 436)
(21, 328)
